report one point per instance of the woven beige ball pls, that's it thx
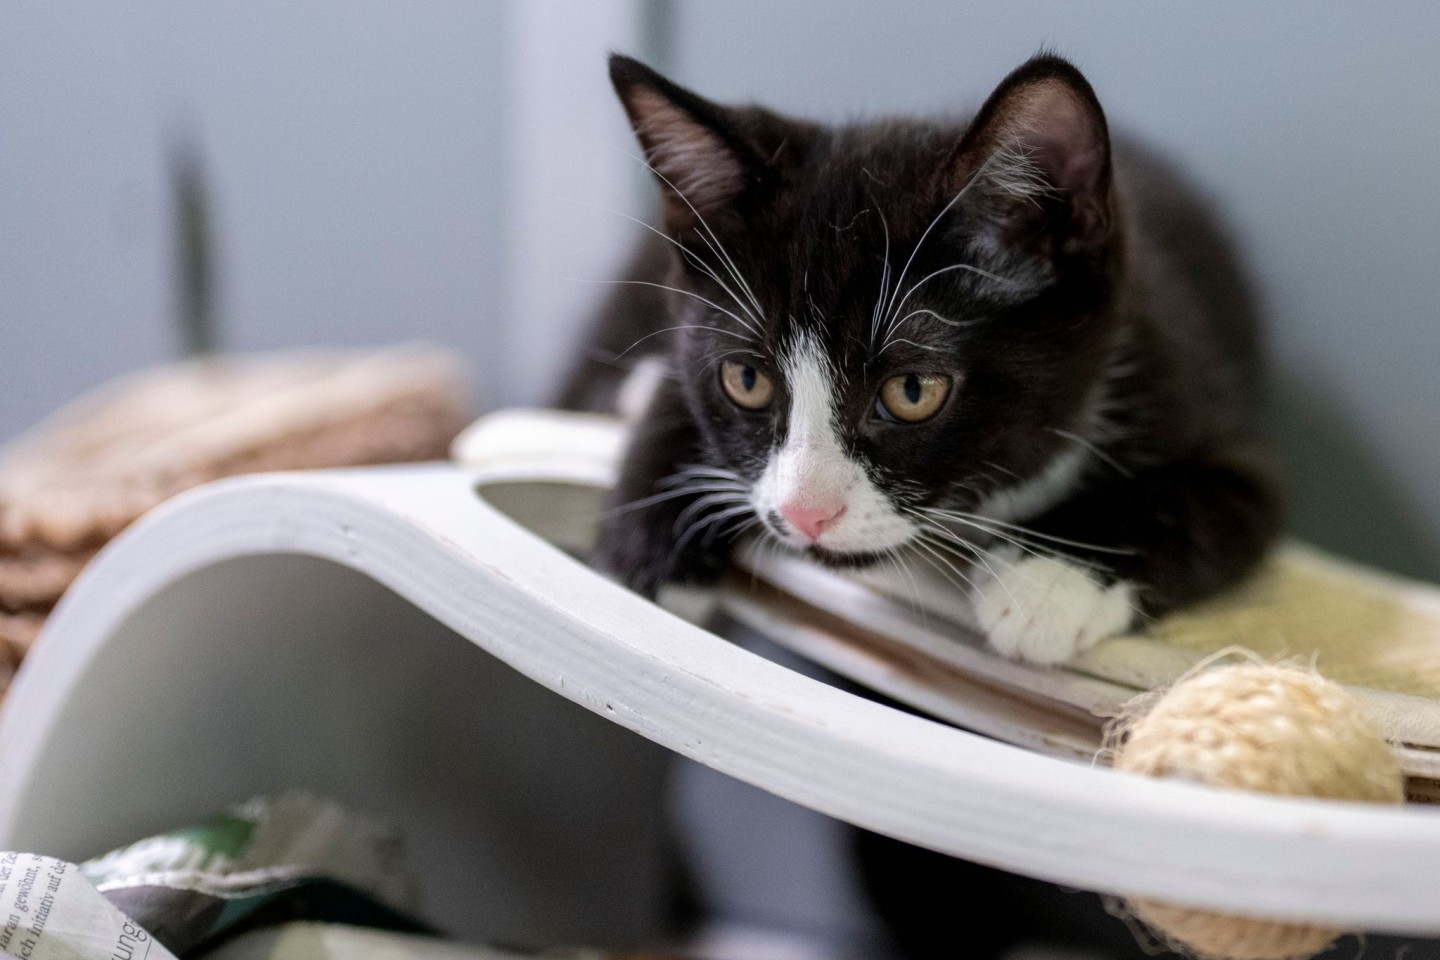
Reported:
(1273, 729)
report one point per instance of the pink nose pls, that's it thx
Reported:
(812, 520)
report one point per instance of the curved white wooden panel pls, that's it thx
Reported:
(423, 533)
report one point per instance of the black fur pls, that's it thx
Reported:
(1097, 277)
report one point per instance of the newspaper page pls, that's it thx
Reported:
(49, 911)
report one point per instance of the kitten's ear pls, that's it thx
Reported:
(1040, 145)
(703, 165)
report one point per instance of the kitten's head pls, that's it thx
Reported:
(881, 321)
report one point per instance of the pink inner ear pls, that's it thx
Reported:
(691, 156)
(1049, 123)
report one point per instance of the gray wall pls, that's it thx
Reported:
(1314, 125)
(352, 153)
(83, 273)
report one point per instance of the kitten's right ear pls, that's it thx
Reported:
(1042, 145)
(702, 164)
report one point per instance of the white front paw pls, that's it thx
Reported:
(1046, 611)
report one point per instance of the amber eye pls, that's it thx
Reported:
(912, 397)
(746, 385)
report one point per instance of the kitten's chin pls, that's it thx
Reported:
(842, 559)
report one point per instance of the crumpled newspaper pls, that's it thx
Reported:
(51, 912)
(158, 898)
(251, 868)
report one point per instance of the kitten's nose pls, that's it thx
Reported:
(813, 519)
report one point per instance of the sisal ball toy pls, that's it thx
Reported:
(1263, 727)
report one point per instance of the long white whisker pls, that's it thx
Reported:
(716, 520)
(983, 557)
(1014, 540)
(685, 326)
(701, 524)
(938, 560)
(977, 555)
(719, 250)
(892, 341)
(684, 293)
(776, 549)
(976, 519)
(884, 276)
(685, 252)
(1095, 449)
(898, 561)
(943, 270)
(644, 502)
(924, 540)
(890, 308)
(940, 551)
(924, 311)
(732, 532)
(688, 480)
(688, 470)
(704, 503)
(756, 322)
(953, 539)
(716, 247)
(1005, 470)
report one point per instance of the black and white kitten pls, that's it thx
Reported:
(999, 347)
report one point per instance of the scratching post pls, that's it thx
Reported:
(1272, 729)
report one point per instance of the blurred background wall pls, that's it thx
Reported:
(379, 170)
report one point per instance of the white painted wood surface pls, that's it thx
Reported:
(425, 535)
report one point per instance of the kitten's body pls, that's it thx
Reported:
(1096, 340)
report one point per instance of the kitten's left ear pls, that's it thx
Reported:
(1040, 144)
(702, 162)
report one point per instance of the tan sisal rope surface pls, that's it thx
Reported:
(1261, 727)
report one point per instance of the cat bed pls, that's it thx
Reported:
(402, 606)
(915, 638)
(83, 475)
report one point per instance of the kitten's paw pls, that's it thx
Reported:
(1046, 611)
